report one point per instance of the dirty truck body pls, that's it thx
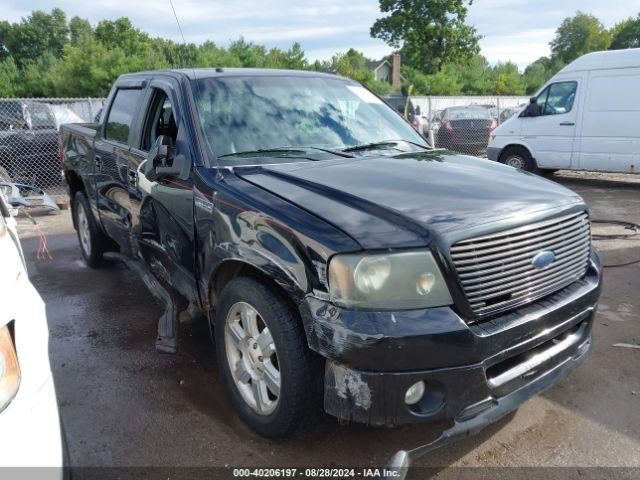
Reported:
(389, 284)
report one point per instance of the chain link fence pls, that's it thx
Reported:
(29, 127)
(463, 124)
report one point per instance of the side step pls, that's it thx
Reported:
(167, 339)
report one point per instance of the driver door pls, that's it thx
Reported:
(162, 210)
(551, 133)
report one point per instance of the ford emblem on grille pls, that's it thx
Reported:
(543, 259)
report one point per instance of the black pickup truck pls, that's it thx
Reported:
(340, 261)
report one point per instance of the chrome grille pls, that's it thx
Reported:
(497, 273)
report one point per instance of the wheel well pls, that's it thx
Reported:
(512, 149)
(75, 183)
(231, 269)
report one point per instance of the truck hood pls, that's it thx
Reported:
(404, 200)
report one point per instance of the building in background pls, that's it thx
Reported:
(387, 70)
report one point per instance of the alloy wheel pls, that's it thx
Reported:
(252, 358)
(83, 231)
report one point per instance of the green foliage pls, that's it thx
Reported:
(33, 36)
(626, 34)
(577, 35)
(473, 77)
(78, 28)
(537, 73)
(44, 55)
(429, 33)
(9, 78)
(47, 55)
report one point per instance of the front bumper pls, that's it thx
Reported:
(373, 357)
(31, 433)
(493, 153)
(492, 411)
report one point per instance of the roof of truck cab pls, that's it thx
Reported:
(196, 73)
(605, 60)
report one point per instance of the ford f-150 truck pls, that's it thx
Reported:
(341, 262)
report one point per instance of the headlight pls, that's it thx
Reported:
(387, 281)
(9, 369)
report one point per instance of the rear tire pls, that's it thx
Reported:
(274, 380)
(520, 158)
(92, 241)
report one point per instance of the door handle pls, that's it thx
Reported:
(567, 124)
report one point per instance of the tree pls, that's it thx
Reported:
(538, 72)
(505, 79)
(79, 27)
(578, 35)
(626, 34)
(249, 54)
(9, 78)
(429, 33)
(33, 36)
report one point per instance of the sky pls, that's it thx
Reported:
(515, 30)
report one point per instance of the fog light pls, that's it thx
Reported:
(414, 393)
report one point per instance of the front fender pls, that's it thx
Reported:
(289, 275)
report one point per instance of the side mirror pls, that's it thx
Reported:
(532, 110)
(161, 159)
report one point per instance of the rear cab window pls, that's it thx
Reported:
(121, 115)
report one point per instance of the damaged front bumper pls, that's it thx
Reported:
(489, 411)
(469, 369)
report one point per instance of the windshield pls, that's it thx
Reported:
(466, 113)
(251, 113)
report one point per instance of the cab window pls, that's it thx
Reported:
(121, 115)
(160, 121)
(557, 98)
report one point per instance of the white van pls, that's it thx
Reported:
(587, 117)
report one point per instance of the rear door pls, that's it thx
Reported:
(551, 134)
(112, 166)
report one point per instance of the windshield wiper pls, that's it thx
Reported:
(259, 151)
(382, 145)
(370, 146)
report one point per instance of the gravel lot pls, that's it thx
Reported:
(125, 405)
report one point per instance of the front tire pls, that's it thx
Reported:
(92, 240)
(273, 379)
(519, 158)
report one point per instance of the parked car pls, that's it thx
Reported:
(30, 433)
(398, 103)
(507, 113)
(341, 262)
(29, 142)
(465, 129)
(584, 118)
